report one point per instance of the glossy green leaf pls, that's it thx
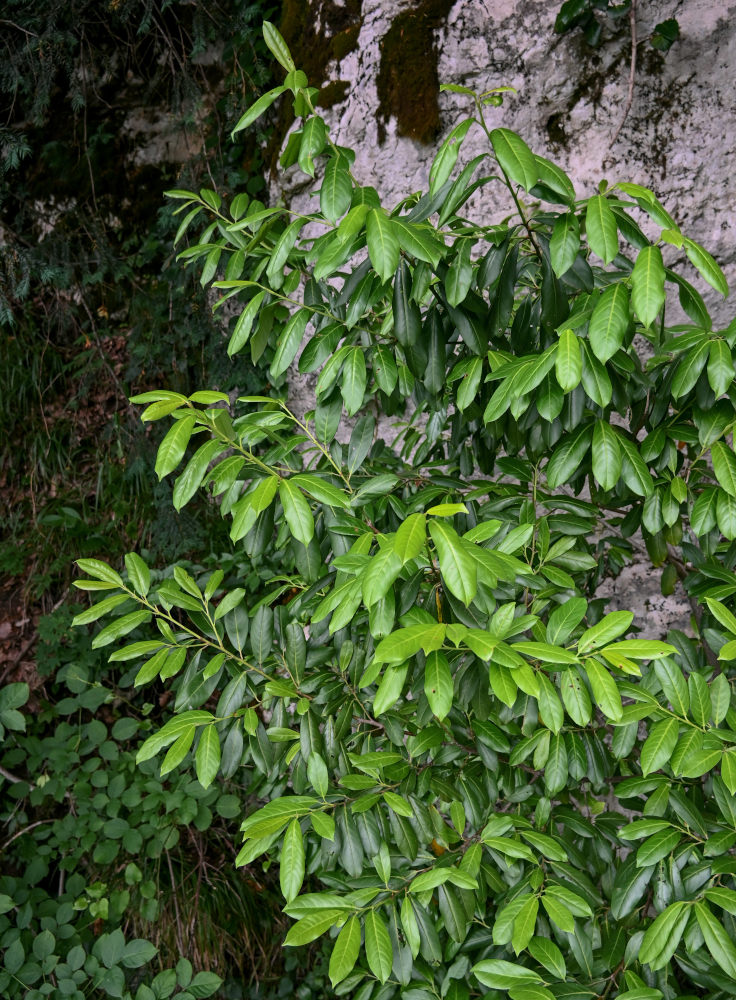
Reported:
(516, 159)
(647, 284)
(601, 229)
(378, 948)
(609, 322)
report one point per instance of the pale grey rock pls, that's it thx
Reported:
(678, 139)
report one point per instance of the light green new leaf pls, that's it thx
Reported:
(406, 642)
(689, 369)
(724, 466)
(497, 974)
(390, 688)
(277, 46)
(647, 284)
(606, 451)
(446, 157)
(605, 692)
(97, 611)
(194, 472)
(244, 324)
(548, 955)
(565, 243)
(524, 924)
(568, 456)
(336, 190)
(720, 367)
(410, 537)
(289, 342)
(207, 759)
(354, 378)
(458, 568)
(609, 322)
(345, 951)
(568, 361)
(663, 936)
(383, 244)
(459, 275)
(257, 109)
(312, 926)
(178, 750)
(657, 847)
(297, 512)
(659, 745)
(280, 253)
(717, 939)
(172, 448)
(291, 862)
(468, 387)
(601, 229)
(378, 948)
(705, 264)
(438, 684)
(516, 159)
(610, 627)
(120, 627)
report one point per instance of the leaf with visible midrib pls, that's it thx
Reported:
(438, 685)
(609, 322)
(383, 245)
(515, 157)
(647, 284)
(172, 448)
(345, 951)
(607, 459)
(291, 863)
(378, 948)
(600, 226)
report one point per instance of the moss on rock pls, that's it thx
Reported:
(408, 85)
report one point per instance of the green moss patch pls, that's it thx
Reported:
(408, 85)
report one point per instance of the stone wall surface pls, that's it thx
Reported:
(678, 137)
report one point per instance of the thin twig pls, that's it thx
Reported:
(26, 829)
(179, 939)
(12, 777)
(632, 74)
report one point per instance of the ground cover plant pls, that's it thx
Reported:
(473, 779)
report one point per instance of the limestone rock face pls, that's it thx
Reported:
(677, 138)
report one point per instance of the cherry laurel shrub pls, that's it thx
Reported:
(474, 781)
